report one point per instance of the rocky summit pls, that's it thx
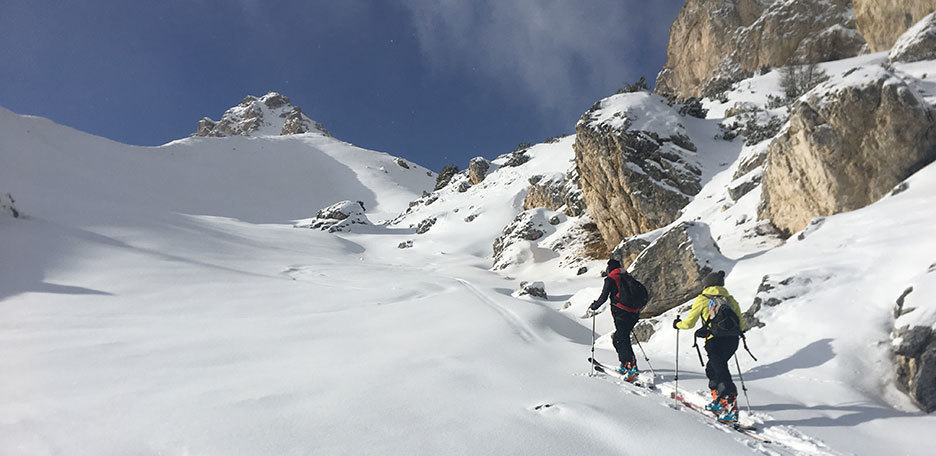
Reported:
(271, 114)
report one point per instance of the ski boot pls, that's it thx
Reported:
(729, 413)
(629, 371)
(716, 405)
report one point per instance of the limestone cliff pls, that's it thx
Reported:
(637, 166)
(713, 41)
(881, 22)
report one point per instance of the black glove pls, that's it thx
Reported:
(676, 322)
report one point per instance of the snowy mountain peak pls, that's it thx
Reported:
(269, 115)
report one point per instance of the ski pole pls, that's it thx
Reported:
(743, 388)
(646, 358)
(695, 343)
(676, 393)
(744, 339)
(593, 346)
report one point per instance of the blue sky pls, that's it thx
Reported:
(436, 82)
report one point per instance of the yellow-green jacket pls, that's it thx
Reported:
(700, 308)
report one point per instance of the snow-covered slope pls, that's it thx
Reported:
(262, 179)
(159, 301)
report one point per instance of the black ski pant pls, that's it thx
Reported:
(623, 325)
(720, 350)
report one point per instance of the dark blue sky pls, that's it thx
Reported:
(434, 81)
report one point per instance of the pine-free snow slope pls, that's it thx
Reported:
(157, 301)
(144, 313)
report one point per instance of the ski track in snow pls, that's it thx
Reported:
(785, 440)
(520, 328)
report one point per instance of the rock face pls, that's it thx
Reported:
(477, 169)
(918, 43)
(637, 166)
(338, 217)
(714, 40)
(881, 22)
(848, 144)
(271, 114)
(673, 266)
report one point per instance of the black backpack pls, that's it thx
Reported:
(636, 293)
(722, 321)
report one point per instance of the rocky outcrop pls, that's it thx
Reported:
(773, 291)
(673, 266)
(850, 141)
(914, 341)
(339, 217)
(636, 164)
(271, 114)
(918, 43)
(6, 205)
(579, 243)
(713, 41)
(425, 225)
(477, 169)
(881, 22)
(527, 226)
(559, 192)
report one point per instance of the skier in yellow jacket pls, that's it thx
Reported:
(722, 331)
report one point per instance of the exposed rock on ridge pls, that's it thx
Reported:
(271, 114)
(713, 40)
(636, 164)
(850, 141)
(881, 22)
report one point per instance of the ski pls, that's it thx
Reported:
(750, 431)
(608, 370)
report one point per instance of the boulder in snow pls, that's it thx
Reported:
(535, 289)
(338, 217)
(673, 266)
(914, 341)
(629, 249)
(849, 142)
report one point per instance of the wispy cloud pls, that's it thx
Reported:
(557, 51)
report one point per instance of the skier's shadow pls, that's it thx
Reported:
(812, 355)
(844, 415)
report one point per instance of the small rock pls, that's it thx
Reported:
(535, 289)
